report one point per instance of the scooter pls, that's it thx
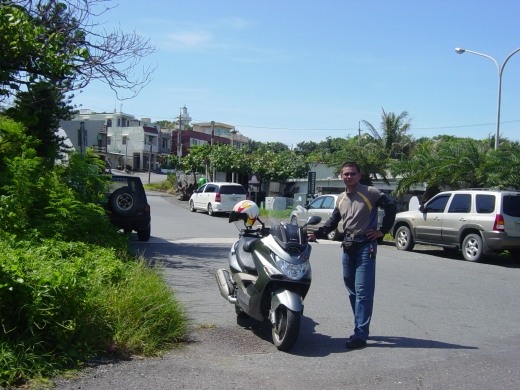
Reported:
(269, 276)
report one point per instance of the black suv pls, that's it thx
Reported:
(127, 206)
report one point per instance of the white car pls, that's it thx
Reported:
(219, 197)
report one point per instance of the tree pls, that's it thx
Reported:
(40, 109)
(394, 139)
(56, 41)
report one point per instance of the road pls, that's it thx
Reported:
(439, 322)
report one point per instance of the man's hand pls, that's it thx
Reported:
(374, 234)
(311, 237)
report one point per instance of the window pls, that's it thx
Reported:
(228, 190)
(512, 205)
(461, 203)
(328, 203)
(437, 204)
(485, 204)
(316, 203)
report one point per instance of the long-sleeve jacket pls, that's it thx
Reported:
(356, 210)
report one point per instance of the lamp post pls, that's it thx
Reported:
(125, 140)
(500, 69)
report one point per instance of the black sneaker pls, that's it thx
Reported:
(355, 343)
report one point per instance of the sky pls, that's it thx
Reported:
(299, 70)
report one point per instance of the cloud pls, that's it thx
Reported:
(189, 40)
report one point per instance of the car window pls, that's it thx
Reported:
(328, 203)
(316, 203)
(437, 204)
(210, 188)
(512, 205)
(201, 188)
(485, 203)
(232, 190)
(461, 203)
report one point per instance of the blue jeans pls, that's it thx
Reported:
(359, 275)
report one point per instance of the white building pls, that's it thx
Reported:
(120, 138)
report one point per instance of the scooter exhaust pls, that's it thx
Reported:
(225, 285)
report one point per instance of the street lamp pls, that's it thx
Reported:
(500, 69)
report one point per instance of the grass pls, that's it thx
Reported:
(64, 303)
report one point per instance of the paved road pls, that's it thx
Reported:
(439, 322)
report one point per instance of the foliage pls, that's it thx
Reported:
(40, 109)
(61, 303)
(146, 317)
(394, 139)
(57, 42)
(64, 202)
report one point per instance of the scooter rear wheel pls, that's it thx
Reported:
(286, 328)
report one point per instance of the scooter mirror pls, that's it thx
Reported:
(314, 220)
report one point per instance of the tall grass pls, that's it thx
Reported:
(146, 317)
(63, 303)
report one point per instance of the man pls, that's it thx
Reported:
(356, 209)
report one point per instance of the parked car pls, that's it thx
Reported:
(217, 197)
(323, 206)
(127, 206)
(476, 221)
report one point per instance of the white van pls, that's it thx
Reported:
(218, 197)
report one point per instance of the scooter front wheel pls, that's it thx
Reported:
(286, 327)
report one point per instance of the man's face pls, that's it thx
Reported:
(350, 176)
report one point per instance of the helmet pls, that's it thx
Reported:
(245, 210)
(202, 181)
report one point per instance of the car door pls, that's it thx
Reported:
(326, 208)
(198, 195)
(208, 195)
(314, 208)
(458, 214)
(429, 227)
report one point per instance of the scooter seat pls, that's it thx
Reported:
(244, 256)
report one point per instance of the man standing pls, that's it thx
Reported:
(356, 209)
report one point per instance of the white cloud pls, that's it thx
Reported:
(189, 40)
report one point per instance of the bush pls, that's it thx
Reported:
(62, 303)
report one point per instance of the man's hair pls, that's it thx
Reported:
(351, 164)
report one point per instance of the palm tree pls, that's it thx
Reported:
(394, 139)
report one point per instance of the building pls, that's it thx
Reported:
(125, 141)
(120, 138)
(206, 133)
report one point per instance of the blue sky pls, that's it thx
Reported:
(291, 71)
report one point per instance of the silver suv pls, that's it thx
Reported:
(476, 221)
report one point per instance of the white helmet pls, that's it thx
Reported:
(245, 210)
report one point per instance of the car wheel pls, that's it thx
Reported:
(210, 210)
(515, 254)
(333, 235)
(472, 247)
(123, 201)
(144, 234)
(192, 207)
(404, 239)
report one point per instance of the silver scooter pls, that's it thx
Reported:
(269, 276)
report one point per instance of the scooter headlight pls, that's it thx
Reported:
(292, 271)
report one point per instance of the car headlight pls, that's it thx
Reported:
(292, 271)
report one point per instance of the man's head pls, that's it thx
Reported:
(351, 174)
